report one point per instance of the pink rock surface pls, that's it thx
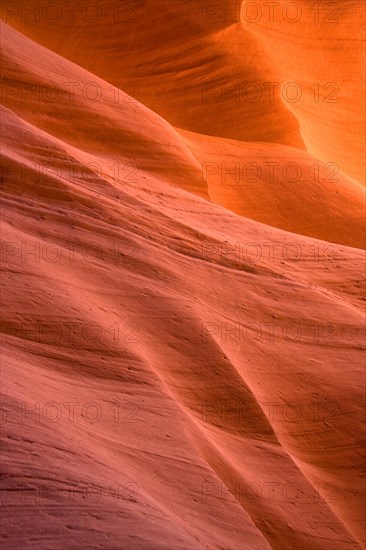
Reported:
(182, 341)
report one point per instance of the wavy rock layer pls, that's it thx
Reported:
(183, 338)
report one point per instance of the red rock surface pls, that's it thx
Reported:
(183, 275)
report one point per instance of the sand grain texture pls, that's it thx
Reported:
(183, 341)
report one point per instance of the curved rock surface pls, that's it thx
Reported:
(183, 276)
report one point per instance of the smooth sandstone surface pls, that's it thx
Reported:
(183, 278)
